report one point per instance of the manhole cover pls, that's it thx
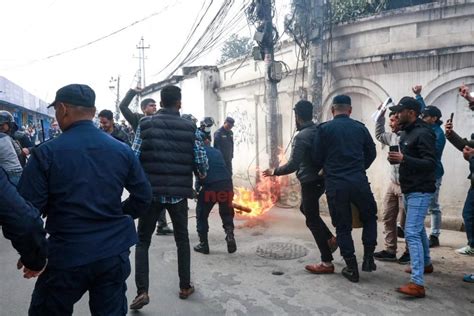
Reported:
(281, 251)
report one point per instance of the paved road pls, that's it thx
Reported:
(243, 283)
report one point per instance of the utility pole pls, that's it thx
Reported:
(114, 84)
(271, 92)
(141, 81)
(316, 68)
(141, 63)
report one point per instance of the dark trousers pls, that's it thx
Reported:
(468, 216)
(206, 201)
(162, 219)
(57, 290)
(146, 225)
(310, 194)
(339, 199)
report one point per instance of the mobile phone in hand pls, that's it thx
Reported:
(451, 117)
(394, 148)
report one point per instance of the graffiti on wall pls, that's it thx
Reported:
(244, 128)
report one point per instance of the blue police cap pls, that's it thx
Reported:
(75, 94)
(342, 99)
(230, 120)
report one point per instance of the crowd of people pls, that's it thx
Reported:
(90, 234)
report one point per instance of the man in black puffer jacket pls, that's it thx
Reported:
(312, 186)
(169, 153)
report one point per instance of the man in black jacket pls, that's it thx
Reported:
(417, 159)
(169, 153)
(22, 225)
(107, 124)
(224, 141)
(148, 107)
(312, 186)
(344, 148)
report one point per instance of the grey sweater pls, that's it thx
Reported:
(8, 156)
(389, 139)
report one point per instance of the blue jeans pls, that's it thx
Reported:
(468, 216)
(415, 234)
(435, 211)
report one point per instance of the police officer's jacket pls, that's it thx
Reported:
(167, 153)
(77, 180)
(218, 175)
(21, 223)
(224, 141)
(417, 170)
(300, 159)
(345, 149)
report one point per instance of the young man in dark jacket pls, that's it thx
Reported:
(168, 151)
(417, 159)
(432, 116)
(312, 186)
(22, 225)
(467, 147)
(148, 107)
(217, 187)
(107, 124)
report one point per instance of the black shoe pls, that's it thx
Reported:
(351, 272)
(385, 256)
(405, 258)
(140, 301)
(202, 247)
(434, 241)
(400, 232)
(166, 230)
(231, 244)
(368, 265)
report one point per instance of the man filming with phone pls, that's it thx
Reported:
(417, 159)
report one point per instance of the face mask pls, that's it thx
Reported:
(207, 129)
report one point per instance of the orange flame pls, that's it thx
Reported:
(264, 195)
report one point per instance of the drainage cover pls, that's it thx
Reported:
(281, 251)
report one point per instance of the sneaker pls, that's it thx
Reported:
(468, 251)
(385, 256)
(185, 293)
(166, 230)
(428, 269)
(405, 258)
(202, 247)
(400, 232)
(320, 268)
(332, 243)
(469, 278)
(434, 241)
(140, 300)
(412, 289)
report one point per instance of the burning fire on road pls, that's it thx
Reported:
(263, 196)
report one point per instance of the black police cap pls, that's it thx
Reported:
(75, 94)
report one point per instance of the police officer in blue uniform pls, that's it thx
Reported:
(224, 141)
(344, 149)
(76, 180)
(22, 225)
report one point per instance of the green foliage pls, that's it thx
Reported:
(236, 46)
(349, 10)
